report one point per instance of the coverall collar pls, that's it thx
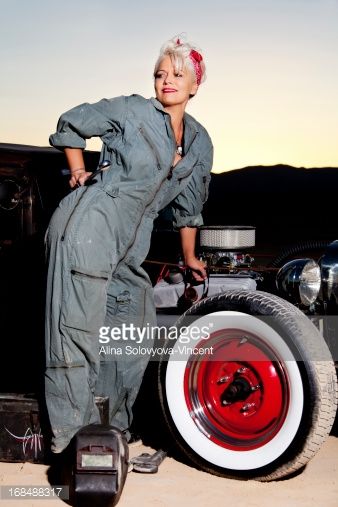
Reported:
(188, 120)
(190, 125)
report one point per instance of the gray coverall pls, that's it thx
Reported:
(96, 242)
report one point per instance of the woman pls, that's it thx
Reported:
(100, 234)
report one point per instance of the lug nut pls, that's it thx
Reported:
(244, 340)
(255, 388)
(222, 380)
(247, 407)
(242, 370)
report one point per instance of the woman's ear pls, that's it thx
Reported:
(193, 91)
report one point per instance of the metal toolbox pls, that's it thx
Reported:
(24, 429)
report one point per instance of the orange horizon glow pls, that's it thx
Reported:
(272, 72)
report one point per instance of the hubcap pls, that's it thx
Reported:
(238, 396)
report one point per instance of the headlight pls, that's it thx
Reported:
(299, 280)
(329, 268)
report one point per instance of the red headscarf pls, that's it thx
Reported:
(196, 58)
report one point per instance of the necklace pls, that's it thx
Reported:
(179, 147)
(179, 150)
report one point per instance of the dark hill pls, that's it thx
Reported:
(286, 204)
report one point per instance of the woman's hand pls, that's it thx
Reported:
(76, 165)
(188, 239)
(197, 267)
(78, 177)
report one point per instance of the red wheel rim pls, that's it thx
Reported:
(238, 396)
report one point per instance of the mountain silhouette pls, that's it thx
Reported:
(285, 204)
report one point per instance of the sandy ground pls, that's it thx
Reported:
(176, 484)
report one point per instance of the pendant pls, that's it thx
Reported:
(179, 150)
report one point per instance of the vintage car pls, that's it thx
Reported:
(245, 383)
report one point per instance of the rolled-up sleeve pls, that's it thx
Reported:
(88, 120)
(188, 205)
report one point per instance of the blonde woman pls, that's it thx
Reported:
(100, 234)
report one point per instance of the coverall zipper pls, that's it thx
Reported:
(153, 197)
(155, 152)
(139, 222)
(170, 174)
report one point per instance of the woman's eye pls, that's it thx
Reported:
(179, 74)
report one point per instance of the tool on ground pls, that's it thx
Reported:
(147, 463)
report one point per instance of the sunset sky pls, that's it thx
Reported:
(272, 65)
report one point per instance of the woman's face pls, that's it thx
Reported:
(173, 88)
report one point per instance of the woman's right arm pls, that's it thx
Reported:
(76, 165)
(104, 118)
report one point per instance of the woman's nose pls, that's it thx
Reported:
(168, 79)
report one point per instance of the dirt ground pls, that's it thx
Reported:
(177, 484)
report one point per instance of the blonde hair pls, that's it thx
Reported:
(179, 51)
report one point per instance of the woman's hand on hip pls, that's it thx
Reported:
(78, 177)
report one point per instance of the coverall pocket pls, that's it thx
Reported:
(118, 303)
(123, 303)
(204, 187)
(86, 302)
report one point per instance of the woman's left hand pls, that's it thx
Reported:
(197, 267)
